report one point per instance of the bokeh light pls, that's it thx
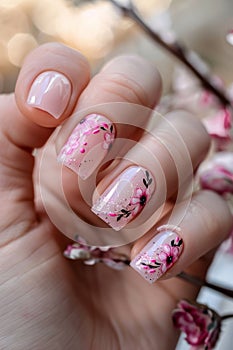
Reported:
(93, 27)
(19, 46)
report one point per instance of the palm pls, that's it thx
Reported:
(52, 303)
(69, 304)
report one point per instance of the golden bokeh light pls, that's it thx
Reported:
(93, 27)
(12, 21)
(92, 30)
(19, 46)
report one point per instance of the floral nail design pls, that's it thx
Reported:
(87, 145)
(201, 324)
(125, 198)
(159, 255)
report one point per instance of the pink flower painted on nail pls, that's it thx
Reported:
(201, 324)
(125, 197)
(108, 140)
(88, 145)
(139, 199)
(159, 255)
(168, 256)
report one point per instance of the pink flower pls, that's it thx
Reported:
(148, 264)
(217, 175)
(139, 199)
(91, 255)
(108, 140)
(200, 324)
(168, 256)
(89, 124)
(77, 251)
(218, 126)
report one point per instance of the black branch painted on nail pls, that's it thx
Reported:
(124, 213)
(148, 181)
(180, 242)
(154, 266)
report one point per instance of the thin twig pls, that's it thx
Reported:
(177, 50)
(193, 280)
(225, 317)
(198, 282)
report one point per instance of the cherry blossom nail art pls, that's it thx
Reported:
(159, 255)
(87, 145)
(125, 198)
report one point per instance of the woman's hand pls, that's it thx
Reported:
(48, 302)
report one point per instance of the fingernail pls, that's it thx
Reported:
(50, 92)
(88, 145)
(159, 255)
(125, 198)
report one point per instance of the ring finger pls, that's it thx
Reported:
(192, 232)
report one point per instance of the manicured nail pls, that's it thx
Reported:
(159, 255)
(50, 92)
(125, 198)
(88, 145)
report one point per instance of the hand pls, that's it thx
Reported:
(48, 302)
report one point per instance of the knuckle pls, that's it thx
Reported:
(216, 216)
(122, 88)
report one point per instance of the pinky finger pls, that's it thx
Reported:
(204, 225)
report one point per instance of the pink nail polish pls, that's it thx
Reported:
(87, 145)
(125, 198)
(159, 255)
(50, 92)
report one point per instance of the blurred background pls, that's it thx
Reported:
(97, 29)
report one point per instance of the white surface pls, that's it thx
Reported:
(221, 272)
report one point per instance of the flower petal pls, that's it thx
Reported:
(139, 192)
(163, 256)
(167, 249)
(135, 200)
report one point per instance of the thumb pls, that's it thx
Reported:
(20, 124)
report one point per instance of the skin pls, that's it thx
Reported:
(48, 302)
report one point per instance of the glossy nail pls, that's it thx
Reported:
(50, 92)
(159, 255)
(125, 198)
(88, 145)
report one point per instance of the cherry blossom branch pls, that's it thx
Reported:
(225, 317)
(178, 50)
(198, 282)
(91, 255)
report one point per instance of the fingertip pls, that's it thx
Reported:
(50, 83)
